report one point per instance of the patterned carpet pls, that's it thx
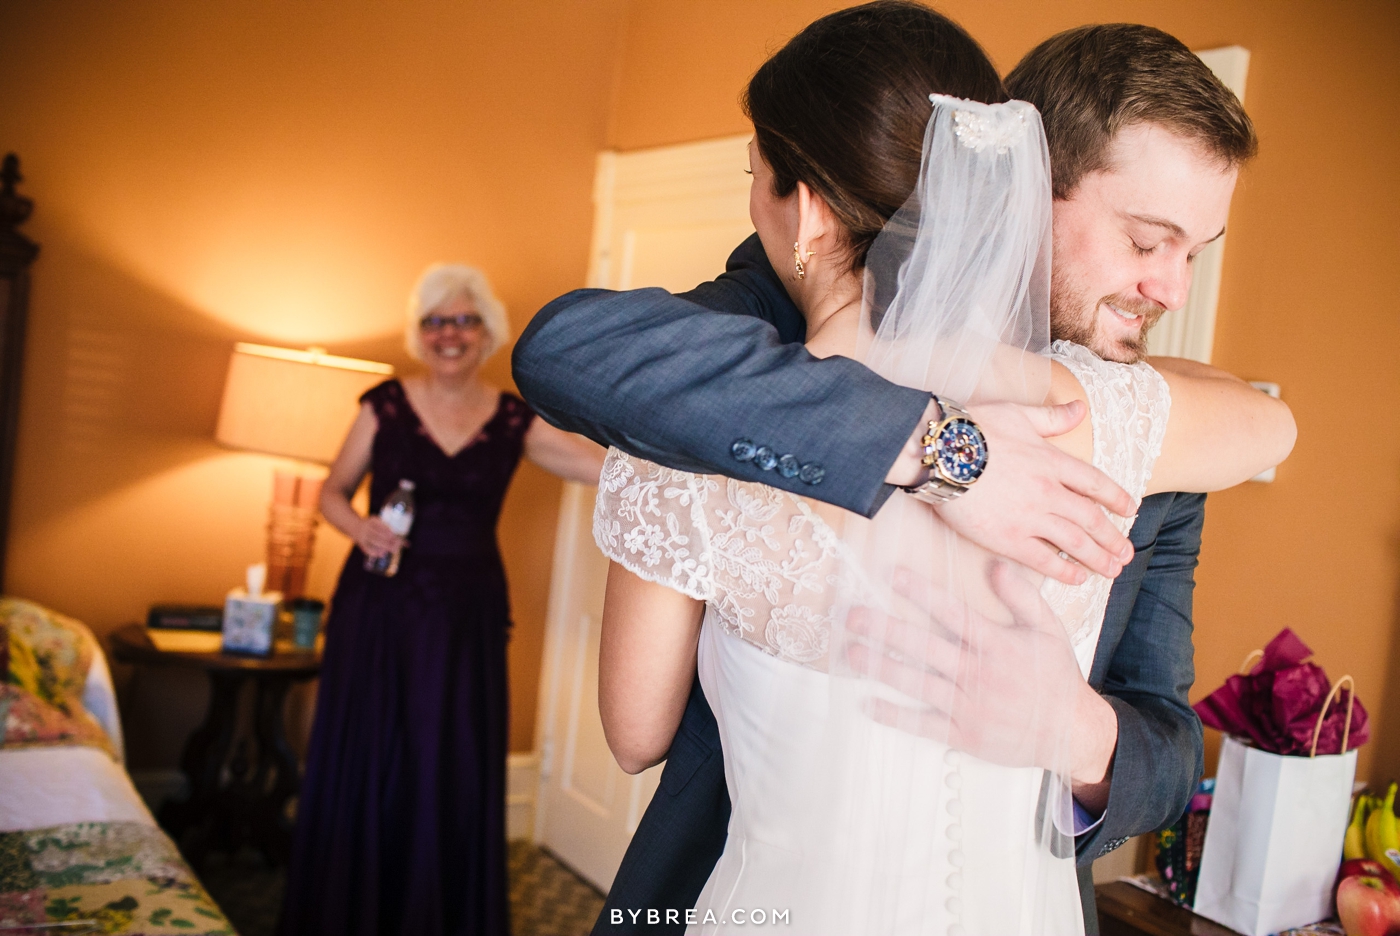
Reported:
(546, 898)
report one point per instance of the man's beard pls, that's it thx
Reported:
(1074, 319)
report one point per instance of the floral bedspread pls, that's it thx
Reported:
(105, 877)
(44, 660)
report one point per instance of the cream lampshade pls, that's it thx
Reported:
(297, 404)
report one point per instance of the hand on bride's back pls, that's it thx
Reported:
(1035, 501)
(1004, 693)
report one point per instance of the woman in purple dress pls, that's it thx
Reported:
(401, 822)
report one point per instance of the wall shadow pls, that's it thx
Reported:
(121, 381)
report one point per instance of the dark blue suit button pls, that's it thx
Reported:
(812, 473)
(765, 458)
(743, 450)
(788, 466)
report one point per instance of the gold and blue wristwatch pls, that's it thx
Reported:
(955, 454)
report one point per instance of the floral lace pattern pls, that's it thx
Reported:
(667, 546)
(768, 566)
(1128, 408)
(759, 556)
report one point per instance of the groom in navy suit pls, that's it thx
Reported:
(676, 379)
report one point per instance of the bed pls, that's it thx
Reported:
(79, 850)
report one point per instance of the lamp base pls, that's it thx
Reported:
(291, 532)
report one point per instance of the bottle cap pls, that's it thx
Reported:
(406, 484)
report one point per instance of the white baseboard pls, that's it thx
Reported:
(522, 785)
(157, 786)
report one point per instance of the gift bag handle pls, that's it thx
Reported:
(1254, 657)
(1346, 730)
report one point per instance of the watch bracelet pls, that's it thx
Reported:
(935, 491)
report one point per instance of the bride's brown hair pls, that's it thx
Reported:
(843, 107)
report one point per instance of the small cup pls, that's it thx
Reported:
(306, 622)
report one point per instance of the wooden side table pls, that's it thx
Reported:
(239, 788)
(1125, 910)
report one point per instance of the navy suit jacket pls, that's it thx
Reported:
(664, 378)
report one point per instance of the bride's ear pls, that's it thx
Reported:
(818, 231)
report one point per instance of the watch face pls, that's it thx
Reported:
(961, 451)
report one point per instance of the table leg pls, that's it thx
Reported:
(238, 796)
(203, 761)
(278, 777)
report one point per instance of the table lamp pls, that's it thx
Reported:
(296, 404)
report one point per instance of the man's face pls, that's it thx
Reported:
(1126, 236)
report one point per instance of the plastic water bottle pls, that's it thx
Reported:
(397, 514)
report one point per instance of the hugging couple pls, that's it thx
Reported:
(902, 520)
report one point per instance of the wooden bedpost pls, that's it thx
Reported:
(17, 252)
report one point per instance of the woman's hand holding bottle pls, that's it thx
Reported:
(376, 539)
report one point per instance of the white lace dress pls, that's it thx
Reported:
(761, 559)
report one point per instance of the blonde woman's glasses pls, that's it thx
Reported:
(464, 322)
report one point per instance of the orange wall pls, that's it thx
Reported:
(229, 170)
(209, 172)
(1308, 301)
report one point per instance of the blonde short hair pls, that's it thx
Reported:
(439, 285)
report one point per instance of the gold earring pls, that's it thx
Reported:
(797, 260)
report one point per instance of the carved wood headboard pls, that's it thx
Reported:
(17, 252)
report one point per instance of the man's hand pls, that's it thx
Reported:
(1010, 694)
(1034, 502)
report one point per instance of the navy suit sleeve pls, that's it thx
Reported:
(680, 379)
(1148, 678)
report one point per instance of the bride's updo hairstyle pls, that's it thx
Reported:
(843, 107)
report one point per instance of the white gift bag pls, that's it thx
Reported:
(1274, 840)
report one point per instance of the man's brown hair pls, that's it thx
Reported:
(1091, 82)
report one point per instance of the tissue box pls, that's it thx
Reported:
(249, 622)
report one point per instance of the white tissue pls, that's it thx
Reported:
(257, 577)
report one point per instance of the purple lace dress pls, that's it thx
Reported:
(401, 822)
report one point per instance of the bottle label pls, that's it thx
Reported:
(397, 520)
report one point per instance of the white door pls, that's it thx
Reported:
(1189, 332)
(665, 217)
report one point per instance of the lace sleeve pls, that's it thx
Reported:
(651, 520)
(1129, 405)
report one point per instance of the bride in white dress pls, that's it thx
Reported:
(858, 807)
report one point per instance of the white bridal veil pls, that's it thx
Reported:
(942, 802)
